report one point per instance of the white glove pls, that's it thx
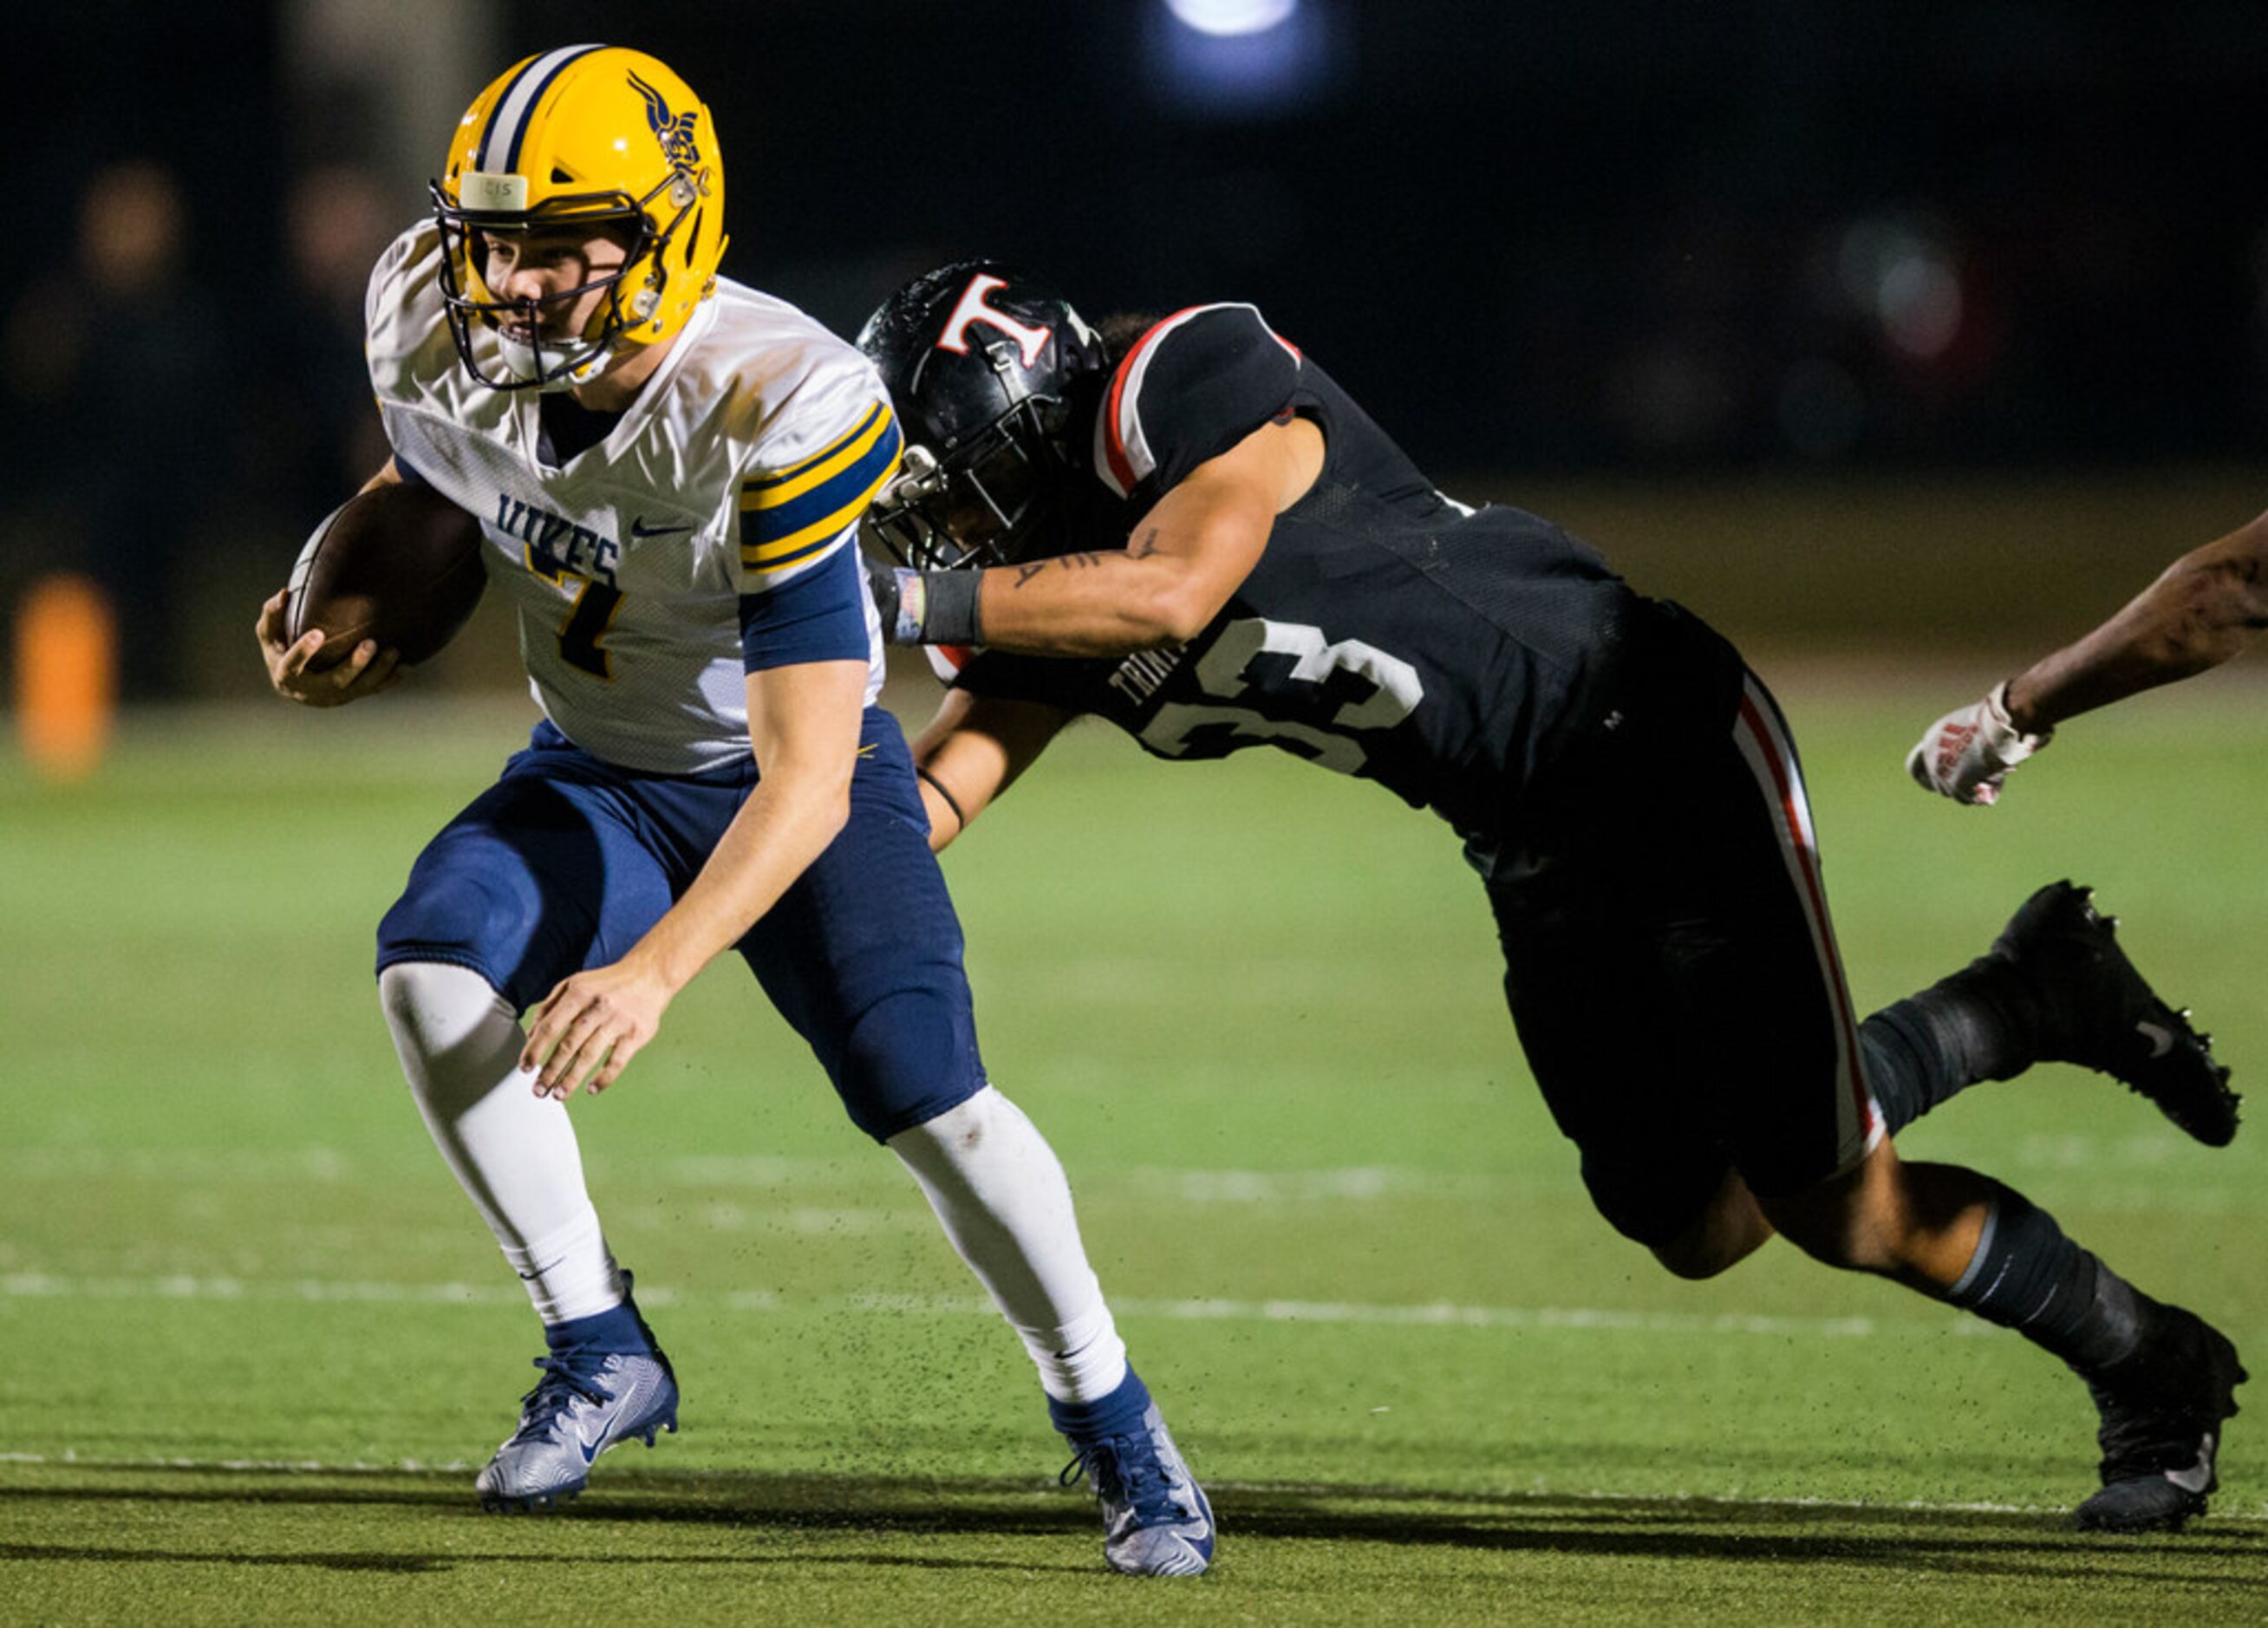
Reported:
(1967, 754)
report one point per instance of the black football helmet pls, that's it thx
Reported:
(986, 367)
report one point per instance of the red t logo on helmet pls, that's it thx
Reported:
(972, 309)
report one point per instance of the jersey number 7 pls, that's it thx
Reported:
(588, 618)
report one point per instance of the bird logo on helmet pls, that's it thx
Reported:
(675, 132)
(590, 138)
(987, 367)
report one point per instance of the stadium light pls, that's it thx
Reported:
(1226, 18)
(1240, 59)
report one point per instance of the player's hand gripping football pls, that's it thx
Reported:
(590, 1026)
(293, 669)
(1967, 754)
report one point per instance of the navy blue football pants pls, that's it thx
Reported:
(568, 859)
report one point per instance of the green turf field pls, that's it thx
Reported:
(257, 1342)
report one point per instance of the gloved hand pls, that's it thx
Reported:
(1967, 754)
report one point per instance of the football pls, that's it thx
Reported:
(398, 563)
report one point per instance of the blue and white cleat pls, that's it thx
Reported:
(1156, 1522)
(586, 1402)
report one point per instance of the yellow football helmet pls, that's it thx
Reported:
(584, 137)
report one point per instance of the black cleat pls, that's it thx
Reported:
(2161, 1416)
(2090, 1006)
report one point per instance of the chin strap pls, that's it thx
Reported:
(525, 363)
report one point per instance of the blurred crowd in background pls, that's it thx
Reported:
(1617, 238)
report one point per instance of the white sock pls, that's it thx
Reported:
(571, 1273)
(513, 1152)
(1000, 1192)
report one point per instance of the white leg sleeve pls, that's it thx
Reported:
(997, 1186)
(513, 1152)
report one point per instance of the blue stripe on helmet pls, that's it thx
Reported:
(549, 66)
(481, 155)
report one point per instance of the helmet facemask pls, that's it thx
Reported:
(993, 500)
(557, 362)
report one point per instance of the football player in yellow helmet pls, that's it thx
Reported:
(669, 469)
(567, 149)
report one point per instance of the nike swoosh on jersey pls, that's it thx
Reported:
(2199, 1476)
(640, 529)
(2161, 1040)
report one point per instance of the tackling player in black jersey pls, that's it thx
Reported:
(1187, 528)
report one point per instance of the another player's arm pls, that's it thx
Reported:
(803, 724)
(972, 751)
(366, 670)
(1197, 543)
(2204, 608)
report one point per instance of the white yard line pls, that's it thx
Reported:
(268, 1466)
(1437, 1314)
(1441, 1314)
(2139, 1170)
(737, 1170)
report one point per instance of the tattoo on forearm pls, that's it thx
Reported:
(1143, 547)
(1082, 561)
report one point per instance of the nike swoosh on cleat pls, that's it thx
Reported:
(2200, 1475)
(2161, 1040)
(640, 529)
(591, 1449)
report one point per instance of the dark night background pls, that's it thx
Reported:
(1613, 239)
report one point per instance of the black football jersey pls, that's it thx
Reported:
(1388, 631)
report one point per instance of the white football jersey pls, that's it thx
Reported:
(746, 459)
